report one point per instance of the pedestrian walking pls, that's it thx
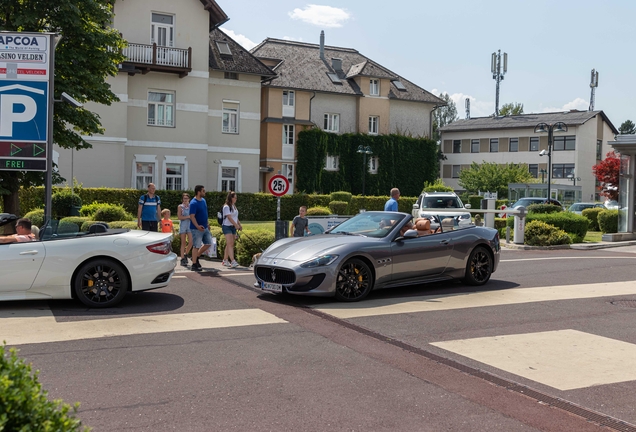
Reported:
(300, 224)
(230, 225)
(183, 213)
(149, 210)
(201, 238)
(392, 203)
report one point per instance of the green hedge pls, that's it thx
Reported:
(36, 217)
(608, 221)
(592, 215)
(573, 224)
(24, 405)
(539, 233)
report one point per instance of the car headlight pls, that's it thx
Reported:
(320, 261)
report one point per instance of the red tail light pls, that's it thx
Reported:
(163, 248)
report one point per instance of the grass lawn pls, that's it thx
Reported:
(256, 225)
(593, 237)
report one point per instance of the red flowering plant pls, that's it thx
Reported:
(607, 172)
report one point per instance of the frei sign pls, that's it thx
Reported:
(24, 100)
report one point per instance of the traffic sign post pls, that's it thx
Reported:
(278, 186)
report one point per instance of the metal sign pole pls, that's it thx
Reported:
(48, 186)
(278, 208)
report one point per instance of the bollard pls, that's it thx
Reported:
(520, 225)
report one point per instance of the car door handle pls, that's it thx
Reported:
(445, 242)
(31, 252)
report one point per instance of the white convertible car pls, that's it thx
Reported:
(97, 267)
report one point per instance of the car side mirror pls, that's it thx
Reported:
(467, 206)
(416, 206)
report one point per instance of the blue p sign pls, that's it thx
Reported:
(23, 110)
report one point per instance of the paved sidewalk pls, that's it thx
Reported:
(214, 265)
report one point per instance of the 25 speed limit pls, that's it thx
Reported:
(278, 185)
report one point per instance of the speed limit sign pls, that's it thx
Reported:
(278, 185)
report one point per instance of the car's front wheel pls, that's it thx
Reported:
(101, 283)
(354, 281)
(479, 267)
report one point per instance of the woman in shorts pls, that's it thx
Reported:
(230, 225)
(183, 213)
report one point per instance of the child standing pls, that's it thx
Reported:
(300, 224)
(166, 223)
(183, 213)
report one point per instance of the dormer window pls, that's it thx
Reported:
(374, 87)
(399, 85)
(224, 48)
(334, 78)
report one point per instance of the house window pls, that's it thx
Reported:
(534, 170)
(289, 103)
(456, 170)
(230, 117)
(474, 146)
(228, 179)
(457, 146)
(534, 144)
(160, 109)
(162, 30)
(174, 176)
(373, 125)
(599, 149)
(374, 87)
(332, 122)
(513, 146)
(373, 164)
(224, 48)
(332, 163)
(564, 143)
(288, 134)
(494, 145)
(230, 75)
(562, 170)
(288, 171)
(144, 174)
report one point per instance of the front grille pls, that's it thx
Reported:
(276, 275)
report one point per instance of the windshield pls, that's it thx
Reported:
(370, 224)
(442, 202)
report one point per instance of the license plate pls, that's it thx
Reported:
(272, 287)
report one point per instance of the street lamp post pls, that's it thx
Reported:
(573, 178)
(550, 129)
(365, 150)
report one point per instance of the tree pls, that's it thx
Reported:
(444, 115)
(493, 177)
(628, 127)
(511, 109)
(607, 172)
(89, 51)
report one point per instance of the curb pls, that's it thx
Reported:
(577, 246)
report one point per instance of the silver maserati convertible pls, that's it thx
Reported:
(379, 250)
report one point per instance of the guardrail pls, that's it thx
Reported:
(154, 55)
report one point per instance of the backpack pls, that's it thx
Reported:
(158, 200)
(219, 217)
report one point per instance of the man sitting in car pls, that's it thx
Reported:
(23, 233)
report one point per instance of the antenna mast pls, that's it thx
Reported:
(467, 108)
(495, 68)
(593, 85)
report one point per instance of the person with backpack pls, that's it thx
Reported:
(201, 238)
(149, 210)
(230, 225)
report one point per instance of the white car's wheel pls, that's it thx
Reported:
(101, 283)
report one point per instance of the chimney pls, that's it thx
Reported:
(336, 64)
(322, 44)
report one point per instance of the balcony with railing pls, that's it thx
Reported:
(142, 58)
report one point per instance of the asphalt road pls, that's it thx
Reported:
(548, 344)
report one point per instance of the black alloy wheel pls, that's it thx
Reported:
(354, 281)
(101, 283)
(479, 267)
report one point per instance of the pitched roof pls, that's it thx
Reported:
(240, 60)
(300, 67)
(570, 118)
(217, 16)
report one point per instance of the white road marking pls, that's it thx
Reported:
(566, 258)
(476, 299)
(20, 327)
(563, 359)
(179, 277)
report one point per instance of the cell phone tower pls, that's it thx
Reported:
(495, 67)
(593, 85)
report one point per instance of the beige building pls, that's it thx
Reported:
(511, 139)
(190, 105)
(338, 90)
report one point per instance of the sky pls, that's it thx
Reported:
(446, 46)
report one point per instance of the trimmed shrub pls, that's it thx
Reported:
(318, 211)
(569, 222)
(538, 233)
(544, 208)
(25, 405)
(77, 220)
(123, 224)
(608, 221)
(86, 225)
(36, 217)
(245, 248)
(112, 213)
(62, 201)
(338, 207)
(89, 210)
(341, 196)
(592, 215)
(437, 186)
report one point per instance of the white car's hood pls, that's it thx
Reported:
(305, 248)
